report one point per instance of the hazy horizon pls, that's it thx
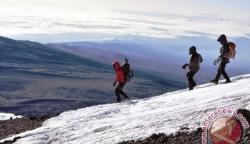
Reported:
(81, 20)
(155, 32)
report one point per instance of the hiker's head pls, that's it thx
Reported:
(222, 39)
(192, 50)
(116, 65)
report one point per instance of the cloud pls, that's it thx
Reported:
(164, 20)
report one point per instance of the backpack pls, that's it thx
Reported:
(128, 73)
(231, 50)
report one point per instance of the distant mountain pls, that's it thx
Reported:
(36, 79)
(145, 56)
(164, 56)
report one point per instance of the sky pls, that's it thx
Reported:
(83, 20)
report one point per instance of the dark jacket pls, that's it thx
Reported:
(195, 60)
(223, 51)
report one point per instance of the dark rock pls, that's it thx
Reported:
(16, 126)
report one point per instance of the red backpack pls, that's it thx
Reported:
(232, 50)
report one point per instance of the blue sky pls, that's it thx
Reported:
(83, 20)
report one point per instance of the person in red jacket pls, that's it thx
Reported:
(120, 78)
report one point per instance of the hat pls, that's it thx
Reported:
(222, 38)
(192, 48)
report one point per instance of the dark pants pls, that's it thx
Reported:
(119, 91)
(221, 71)
(190, 77)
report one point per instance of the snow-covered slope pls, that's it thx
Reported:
(7, 116)
(112, 123)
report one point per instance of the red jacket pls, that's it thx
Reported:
(120, 77)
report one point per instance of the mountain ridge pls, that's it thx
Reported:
(36, 79)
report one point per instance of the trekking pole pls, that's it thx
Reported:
(114, 99)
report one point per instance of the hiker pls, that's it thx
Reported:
(223, 59)
(121, 77)
(194, 66)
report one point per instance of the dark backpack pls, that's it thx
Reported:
(128, 73)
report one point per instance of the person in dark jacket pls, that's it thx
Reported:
(223, 60)
(193, 65)
(120, 78)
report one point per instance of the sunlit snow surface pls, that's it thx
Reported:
(7, 116)
(113, 123)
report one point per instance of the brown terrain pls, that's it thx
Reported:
(183, 136)
(180, 137)
(16, 126)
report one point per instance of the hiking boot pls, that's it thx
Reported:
(191, 88)
(214, 81)
(195, 85)
(228, 81)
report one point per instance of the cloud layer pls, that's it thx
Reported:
(96, 19)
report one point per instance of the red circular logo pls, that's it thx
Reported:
(226, 130)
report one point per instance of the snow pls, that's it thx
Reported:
(7, 116)
(136, 119)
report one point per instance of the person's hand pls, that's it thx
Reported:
(184, 66)
(217, 61)
(114, 84)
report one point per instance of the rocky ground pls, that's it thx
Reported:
(16, 126)
(183, 136)
(180, 137)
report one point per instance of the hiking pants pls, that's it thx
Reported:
(119, 91)
(190, 78)
(221, 71)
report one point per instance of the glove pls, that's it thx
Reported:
(184, 66)
(217, 61)
(114, 84)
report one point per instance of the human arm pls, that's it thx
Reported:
(217, 60)
(114, 83)
(184, 66)
(201, 59)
